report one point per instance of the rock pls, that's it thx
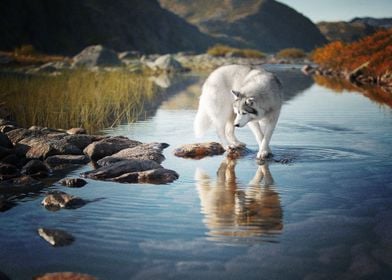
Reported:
(64, 276)
(21, 184)
(199, 150)
(8, 171)
(66, 159)
(308, 69)
(52, 67)
(11, 159)
(129, 55)
(154, 176)
(76, 130)
(7, 128)
(56, 237)
(166, 63)
(73, 182)
(35, 168)
(81, 141)
(94, 56)
(4, 141)
(120, 168)
(57, 199)
(41, 148)
(109, 146)
(151, 151)
(4, 152)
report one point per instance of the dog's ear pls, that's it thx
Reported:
(236, 94)
(250, 101)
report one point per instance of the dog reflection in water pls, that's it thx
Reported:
(231, 210)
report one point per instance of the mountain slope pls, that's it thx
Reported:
(263, 24)
(67, 26)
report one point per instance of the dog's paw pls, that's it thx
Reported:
(263, 155)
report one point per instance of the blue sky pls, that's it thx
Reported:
(335, 10)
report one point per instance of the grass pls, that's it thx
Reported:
(223, 50)
(28, 55)
(291, 53)
(93, 100)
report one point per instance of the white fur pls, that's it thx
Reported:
(259, 89)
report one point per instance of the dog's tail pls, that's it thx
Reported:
(202, 121)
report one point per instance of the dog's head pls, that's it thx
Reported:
(244, 108)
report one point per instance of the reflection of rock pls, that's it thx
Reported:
(73, 182)
(162, 80)
(57, 160)
(56, 200)
(150, 151)
(56, 237)
(241, 212)
(109, 146)
(64, 276)
(199, 150)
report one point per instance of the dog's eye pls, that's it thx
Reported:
(243, 113)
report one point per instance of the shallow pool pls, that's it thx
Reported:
(325, 214)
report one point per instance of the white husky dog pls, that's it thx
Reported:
(236, 95)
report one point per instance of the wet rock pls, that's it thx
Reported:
(41, 148)
(66, 159)
(154, 176)
(237, 152)
(94, 56)
(24, 183)
(5, 152)
(8, 171)
(109, 146)
(4, 141)
(199, 150)
(120, 168)
(57, 199)
(81, 141)
(35, 168)
(73, 182)
(76, 130)
(65, 276)
(150, 151)
(56, 237)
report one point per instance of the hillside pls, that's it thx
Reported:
(67, 26)
(262, 24)
(352, 30)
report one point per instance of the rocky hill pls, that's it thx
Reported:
(352, 30)
(262, 24)
(67, 26)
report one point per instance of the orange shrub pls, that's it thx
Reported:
(375, 49)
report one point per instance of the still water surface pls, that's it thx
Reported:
(326, 214)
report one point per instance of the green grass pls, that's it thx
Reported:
(93, 100)
(223, 50)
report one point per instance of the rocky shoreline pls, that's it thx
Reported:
(29, 156)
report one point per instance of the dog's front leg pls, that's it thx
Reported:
(256, 129)
(270, 124)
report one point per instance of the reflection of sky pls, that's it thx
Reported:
(335, 10)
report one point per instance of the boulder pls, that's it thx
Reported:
(94, 56)
(154, 176)
(43, 147)
(73, 182)
(8, 171)
(35, 168)
(120, 168)
(4, 141)
(199, 150)
(55, 160)
(57, 199)
(56, 237)
(64, 276)
(109, 146)
(150, 151)
(76, 130)
(166, 63)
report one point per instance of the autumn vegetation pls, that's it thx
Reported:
(291, 53)
(371, 54)
(224, 51)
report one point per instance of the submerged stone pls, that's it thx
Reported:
(56, 237)
(57, 199)
(35, 168)
(64, 276)
(199, 150)
(154, 176)
(73, 182)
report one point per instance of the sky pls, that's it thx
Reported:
(335, 10)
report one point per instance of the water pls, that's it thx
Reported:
(326, 214)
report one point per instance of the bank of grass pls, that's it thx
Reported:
(224, 51)
(93, 100)
(291, 53)
(28, 55)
